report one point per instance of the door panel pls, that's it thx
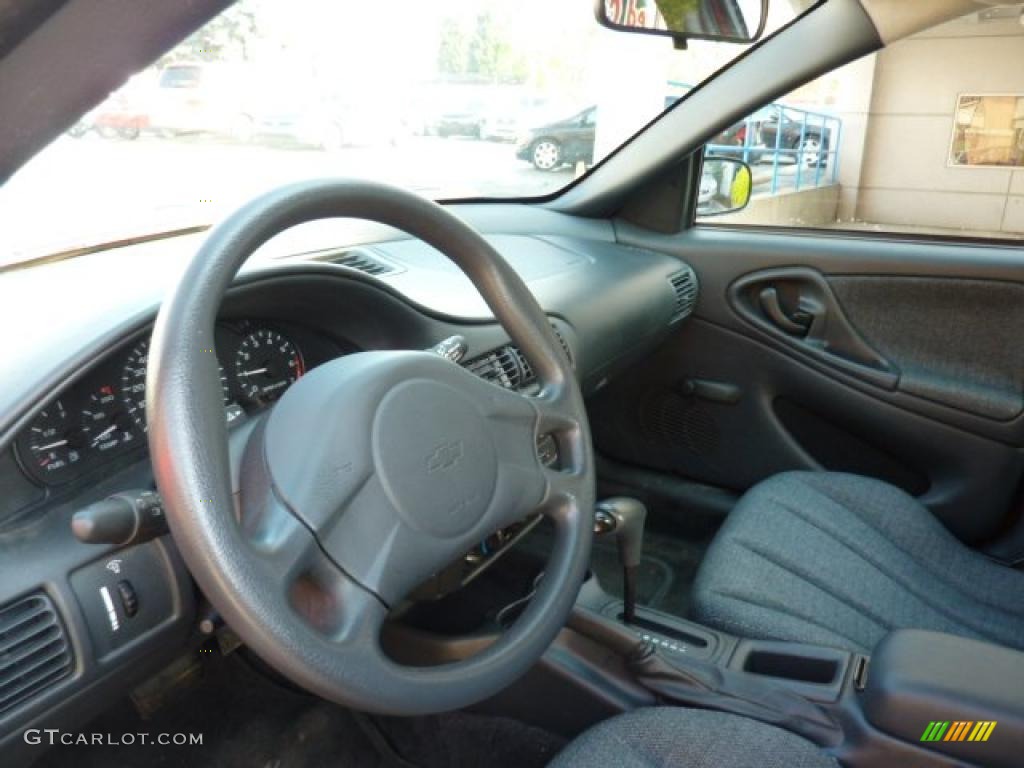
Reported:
(798, 306)
(897, 360)
(957, 342)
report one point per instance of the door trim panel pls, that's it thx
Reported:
(818, 327)
(720, 255)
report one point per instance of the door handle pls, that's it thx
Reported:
(817, 327)
(797, 324)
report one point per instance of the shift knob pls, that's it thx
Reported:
(629, 515)
(624, 518)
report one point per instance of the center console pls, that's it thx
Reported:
(921, 698)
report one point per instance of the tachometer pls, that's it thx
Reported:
(266, 364)
(133, 383)
(54, 444)
(106, 422)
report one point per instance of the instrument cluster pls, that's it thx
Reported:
(103, 415)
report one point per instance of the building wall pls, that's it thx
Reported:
(813, 207)
(905, 178)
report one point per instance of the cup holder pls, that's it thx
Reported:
(787, 666)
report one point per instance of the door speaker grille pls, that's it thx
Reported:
(678, 422)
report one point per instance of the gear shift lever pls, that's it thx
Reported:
(624, 518)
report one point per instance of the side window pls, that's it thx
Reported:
(924, 137)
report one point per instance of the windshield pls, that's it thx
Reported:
(450, 98)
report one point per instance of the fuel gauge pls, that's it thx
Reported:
(54, 445)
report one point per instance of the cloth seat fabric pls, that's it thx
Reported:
(671, 737)
(841, 560)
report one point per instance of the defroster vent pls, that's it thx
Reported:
(34, 650)
(364, 261)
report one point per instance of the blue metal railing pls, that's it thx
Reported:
(808, 141)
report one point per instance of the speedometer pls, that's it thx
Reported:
(133, 383)
(266, 364)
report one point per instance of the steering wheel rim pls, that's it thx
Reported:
(272, 554)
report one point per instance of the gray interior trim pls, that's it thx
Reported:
(946, 347)
(721, 254)
(896, 19)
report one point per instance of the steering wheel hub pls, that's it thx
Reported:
(436, 457)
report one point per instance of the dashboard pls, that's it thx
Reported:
(103, 416)
(73, 427)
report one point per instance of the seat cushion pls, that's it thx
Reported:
(840, 560)
(670, 737)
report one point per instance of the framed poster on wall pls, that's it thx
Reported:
(988, 131)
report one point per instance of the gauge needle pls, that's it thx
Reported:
(253, 372)
(104, 433)
(57, 444)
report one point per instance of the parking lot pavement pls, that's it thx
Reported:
(91, 189)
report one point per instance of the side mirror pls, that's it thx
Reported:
(731, 21)
(726, 185)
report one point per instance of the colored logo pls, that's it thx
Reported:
(958, 730)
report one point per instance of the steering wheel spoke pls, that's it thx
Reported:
(335, 605)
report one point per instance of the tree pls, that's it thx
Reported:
(481, 50)
(226, 37)
(453, 51)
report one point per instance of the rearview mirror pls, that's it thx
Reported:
(725, 186)
(732, 21)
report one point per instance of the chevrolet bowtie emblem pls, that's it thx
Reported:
(445, 456)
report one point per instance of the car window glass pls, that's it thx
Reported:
(925, 137)
(450, 98)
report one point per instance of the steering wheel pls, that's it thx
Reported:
(372, 472)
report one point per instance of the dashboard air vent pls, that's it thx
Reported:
(528, 375)
(565, 345)
(501, 367)
(34, 651)
(684, 285)
(365, 262)
(508, 367)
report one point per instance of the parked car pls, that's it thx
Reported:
(198, 97)
(551, 146)
(462, 120)
(121, 117)
(555, 144)
(812, 141)
(506, 118)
